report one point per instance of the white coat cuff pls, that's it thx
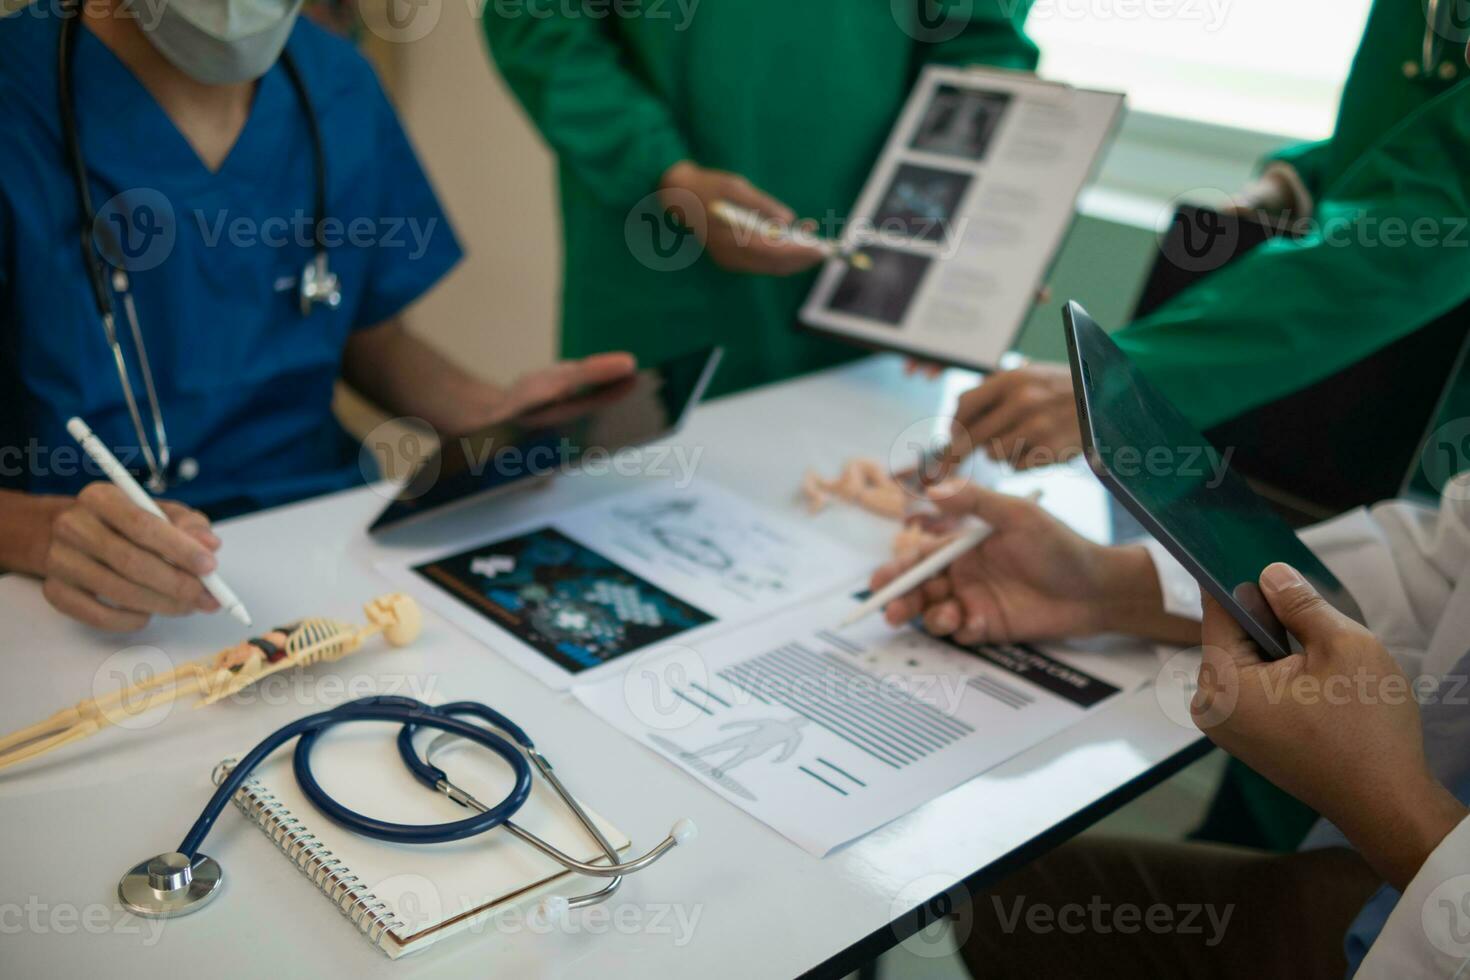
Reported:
(1426, 934)
(1180, 590)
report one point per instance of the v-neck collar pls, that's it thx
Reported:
(114, 107)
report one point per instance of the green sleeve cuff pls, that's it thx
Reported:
(1309, 160)
(649, 160)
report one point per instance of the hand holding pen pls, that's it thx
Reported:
(1030, 577)
(113, 563)
(693, 195)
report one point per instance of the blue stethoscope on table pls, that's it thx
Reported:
(318, 284)
(178, 882)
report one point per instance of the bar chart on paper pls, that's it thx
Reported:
(826, 734)
(894, 732)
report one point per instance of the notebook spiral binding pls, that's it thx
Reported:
(360, 906)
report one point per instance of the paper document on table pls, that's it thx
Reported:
(826, 734)
(567, 597)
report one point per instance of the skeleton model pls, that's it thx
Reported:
(866, 483)
(310, 641)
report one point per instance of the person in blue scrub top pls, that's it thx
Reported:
(193, 122)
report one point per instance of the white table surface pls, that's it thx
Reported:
(741, 901)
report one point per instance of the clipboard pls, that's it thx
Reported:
(963, 215)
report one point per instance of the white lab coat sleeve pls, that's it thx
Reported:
(1408, 567)
(1180, 590)
(1404, 563)
(1426, 934)
(1401, 561)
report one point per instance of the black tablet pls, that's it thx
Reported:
(556, 437)
(1181, 489)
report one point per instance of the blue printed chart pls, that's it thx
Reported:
(570, 597)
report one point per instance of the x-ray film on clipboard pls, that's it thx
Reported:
(963, 215)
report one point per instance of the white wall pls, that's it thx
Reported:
(497, 312)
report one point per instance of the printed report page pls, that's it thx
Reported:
(963, 215)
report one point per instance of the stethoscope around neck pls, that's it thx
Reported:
(318, 285)
(179, 882)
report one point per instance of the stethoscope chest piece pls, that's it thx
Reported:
(169, 885)
(319, 284)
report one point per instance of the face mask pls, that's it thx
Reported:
(219, 42)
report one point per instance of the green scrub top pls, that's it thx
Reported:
(1387, 252)
(798, 96)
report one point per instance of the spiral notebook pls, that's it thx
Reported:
(406, 897)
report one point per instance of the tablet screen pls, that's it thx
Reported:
(556, 437)
(1181, 487)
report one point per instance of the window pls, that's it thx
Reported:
(1274, 66)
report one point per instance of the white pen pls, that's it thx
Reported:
(124, 481)
(747, 220)
(968, 538)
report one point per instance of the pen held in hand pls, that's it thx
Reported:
(969, 537)
(745, 219)
(124, 481)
